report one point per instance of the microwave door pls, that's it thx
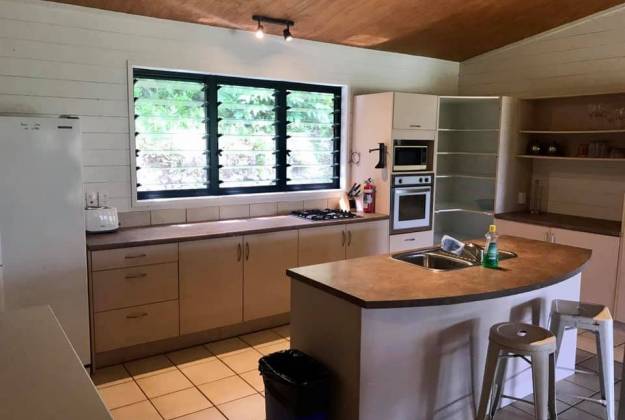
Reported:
(410, 158)
(412, 208)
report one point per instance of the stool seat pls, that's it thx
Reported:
(521, 337)
(578, 310)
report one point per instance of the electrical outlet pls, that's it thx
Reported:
(103, 199)
(91, 198)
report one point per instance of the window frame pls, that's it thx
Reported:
(211, 83)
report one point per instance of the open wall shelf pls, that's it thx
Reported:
(575, 158)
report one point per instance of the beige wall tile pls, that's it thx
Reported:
(263, 209)
(248, 408)
(134, 219)
(180, 403)
(234, 212)
(168, 216)
(286, 207)
(139, 411)
(333, 203)
(315, 204)
(164, 383)
(122, 394)
(202, 214)
(202, 373)
(227, 389)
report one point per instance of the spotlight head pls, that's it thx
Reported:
(287, 34)
(260, 31)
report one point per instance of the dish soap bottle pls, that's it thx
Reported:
(491, 256)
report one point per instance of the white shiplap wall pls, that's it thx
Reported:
(584, 57)
(60, 59)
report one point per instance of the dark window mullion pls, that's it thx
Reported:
(281, 152)
(337, 138)
(212, 130)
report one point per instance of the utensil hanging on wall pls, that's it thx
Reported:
(381, 155)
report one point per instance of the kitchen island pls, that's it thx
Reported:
(404, 342)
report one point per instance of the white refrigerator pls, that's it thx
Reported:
(42, 225)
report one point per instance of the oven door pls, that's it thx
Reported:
(412, 209)
(410, 158)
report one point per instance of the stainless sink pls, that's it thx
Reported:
(435, 259)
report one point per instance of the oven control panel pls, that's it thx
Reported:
(410, 180)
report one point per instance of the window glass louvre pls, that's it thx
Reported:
(312, 139)
(170, 135)
(247, 136)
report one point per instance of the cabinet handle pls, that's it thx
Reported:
(343, 240)
(547, 237)
(136, 276)
(416, 125)
(136, 316)
(247, 251)
(349, 238)
(132, 257)
(239, 252)
(553, 238)
(409, 240)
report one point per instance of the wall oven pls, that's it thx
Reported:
(411, 202)
(413, 155)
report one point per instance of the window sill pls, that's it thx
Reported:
(239, 199)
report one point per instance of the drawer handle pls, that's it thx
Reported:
(239, 252)
(410, 240)
(136, 276)
(349, 238)
(415, 125)
(343, 236)
(247, 251)
(132, 257)
(136, 316)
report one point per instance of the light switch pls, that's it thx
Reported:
(91, 198)
(103, 199)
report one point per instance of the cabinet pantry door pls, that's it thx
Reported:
(267, 288)
(211, 284)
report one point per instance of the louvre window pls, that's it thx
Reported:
(201, 135)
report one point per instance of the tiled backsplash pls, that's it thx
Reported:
(205, 214)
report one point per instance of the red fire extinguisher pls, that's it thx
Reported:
(368, 196)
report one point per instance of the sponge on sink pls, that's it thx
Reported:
(452, 245)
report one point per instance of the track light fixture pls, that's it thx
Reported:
(260, 29)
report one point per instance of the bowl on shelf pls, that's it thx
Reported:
(486, 204)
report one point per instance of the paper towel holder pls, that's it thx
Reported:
(381, 155)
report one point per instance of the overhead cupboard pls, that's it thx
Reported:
(154, 293)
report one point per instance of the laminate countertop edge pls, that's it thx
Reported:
(562, 221)
(164, 234)
(381, 282)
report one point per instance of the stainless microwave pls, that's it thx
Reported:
(413, 155)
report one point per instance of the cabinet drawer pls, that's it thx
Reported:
(408, 241)
(131, 257)
(121, 288)
(137, 325)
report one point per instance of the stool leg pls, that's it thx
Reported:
(605, 354)
(500, 380)
(553, 414)
(540, 377)
(557, 327)
(492, 359)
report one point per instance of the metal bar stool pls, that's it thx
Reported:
(566, 315)
(535, 345)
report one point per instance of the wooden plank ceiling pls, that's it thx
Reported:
(448, 29)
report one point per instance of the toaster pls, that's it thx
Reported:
(101, 219)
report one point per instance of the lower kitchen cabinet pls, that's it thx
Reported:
(322, 245)
(522, 230)
(211, 283)
(266, 289)
(364, 239)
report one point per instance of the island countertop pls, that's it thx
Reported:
(383, 282)
(152, 235)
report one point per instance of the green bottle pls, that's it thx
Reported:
(491, 256)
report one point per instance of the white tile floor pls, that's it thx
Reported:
(220, 380)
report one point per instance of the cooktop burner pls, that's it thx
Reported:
(327, 214)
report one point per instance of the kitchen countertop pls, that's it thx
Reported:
(42, 377)
(151, 235)
(383, 282)
(564, 221)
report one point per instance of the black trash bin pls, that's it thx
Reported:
(296, 386)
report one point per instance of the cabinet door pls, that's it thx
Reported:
(266, 289)
(370, 238)
(322, 244)
(414, 111)
(620, 304)
(522, 230)
(599, 276)
(211, 284)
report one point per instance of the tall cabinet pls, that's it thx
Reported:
(472, 164)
